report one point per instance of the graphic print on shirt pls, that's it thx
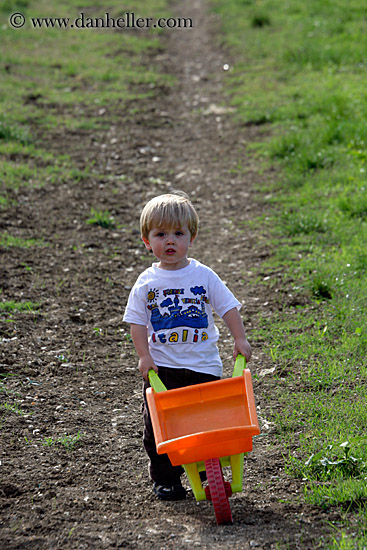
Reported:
(194, 316)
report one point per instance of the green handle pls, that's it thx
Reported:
(239, 365)
(156, 382)
(158, 385)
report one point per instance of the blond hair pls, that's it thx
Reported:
(170, 210)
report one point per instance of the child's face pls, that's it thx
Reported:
(170, 246)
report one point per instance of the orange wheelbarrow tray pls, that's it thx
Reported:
(215, 420)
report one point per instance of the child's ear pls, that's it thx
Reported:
(192, 241)
(147, 243)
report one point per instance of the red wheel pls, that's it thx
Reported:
(218, 491)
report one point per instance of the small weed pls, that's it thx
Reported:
(324, 466)
(9, 132)
(102, 218)
(356, 206)
(69, 442)
(260, 20)
(321, 288)
(49, 442)
(9, 241)
(304, 223)
(12, 306)
(12, 407)
(273, 354)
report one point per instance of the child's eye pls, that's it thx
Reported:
(160, 234)
(179, 233)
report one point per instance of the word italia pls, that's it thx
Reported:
(182, 337)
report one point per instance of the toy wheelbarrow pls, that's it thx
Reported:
(206, 427)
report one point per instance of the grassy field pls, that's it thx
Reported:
(44, 76)
(299, 75)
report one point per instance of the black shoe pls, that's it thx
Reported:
(169, 492)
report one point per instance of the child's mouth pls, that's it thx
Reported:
(170, 251)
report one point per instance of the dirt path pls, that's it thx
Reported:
(74, 364)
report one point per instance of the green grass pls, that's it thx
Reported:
(13, 133)
(9, 241)
(23, 164)
(87, 66)
(47, 72)
(103, 218)
(69, 442)
(24, 174)
(12, 306)
(12, 408)
(298, 75)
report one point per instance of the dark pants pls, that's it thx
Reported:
(160, 469)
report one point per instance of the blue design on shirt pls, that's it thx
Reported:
(193, 316)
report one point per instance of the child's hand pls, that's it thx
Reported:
(243, 347)
(145, 364)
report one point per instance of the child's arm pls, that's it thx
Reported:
(140, 339)
(234, 322)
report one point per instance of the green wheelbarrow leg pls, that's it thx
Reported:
(192, 472)
(237, 472)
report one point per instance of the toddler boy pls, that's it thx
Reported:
(172, 326)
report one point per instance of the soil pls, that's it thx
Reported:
(72, 364)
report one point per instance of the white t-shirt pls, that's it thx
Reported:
(176, 307)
